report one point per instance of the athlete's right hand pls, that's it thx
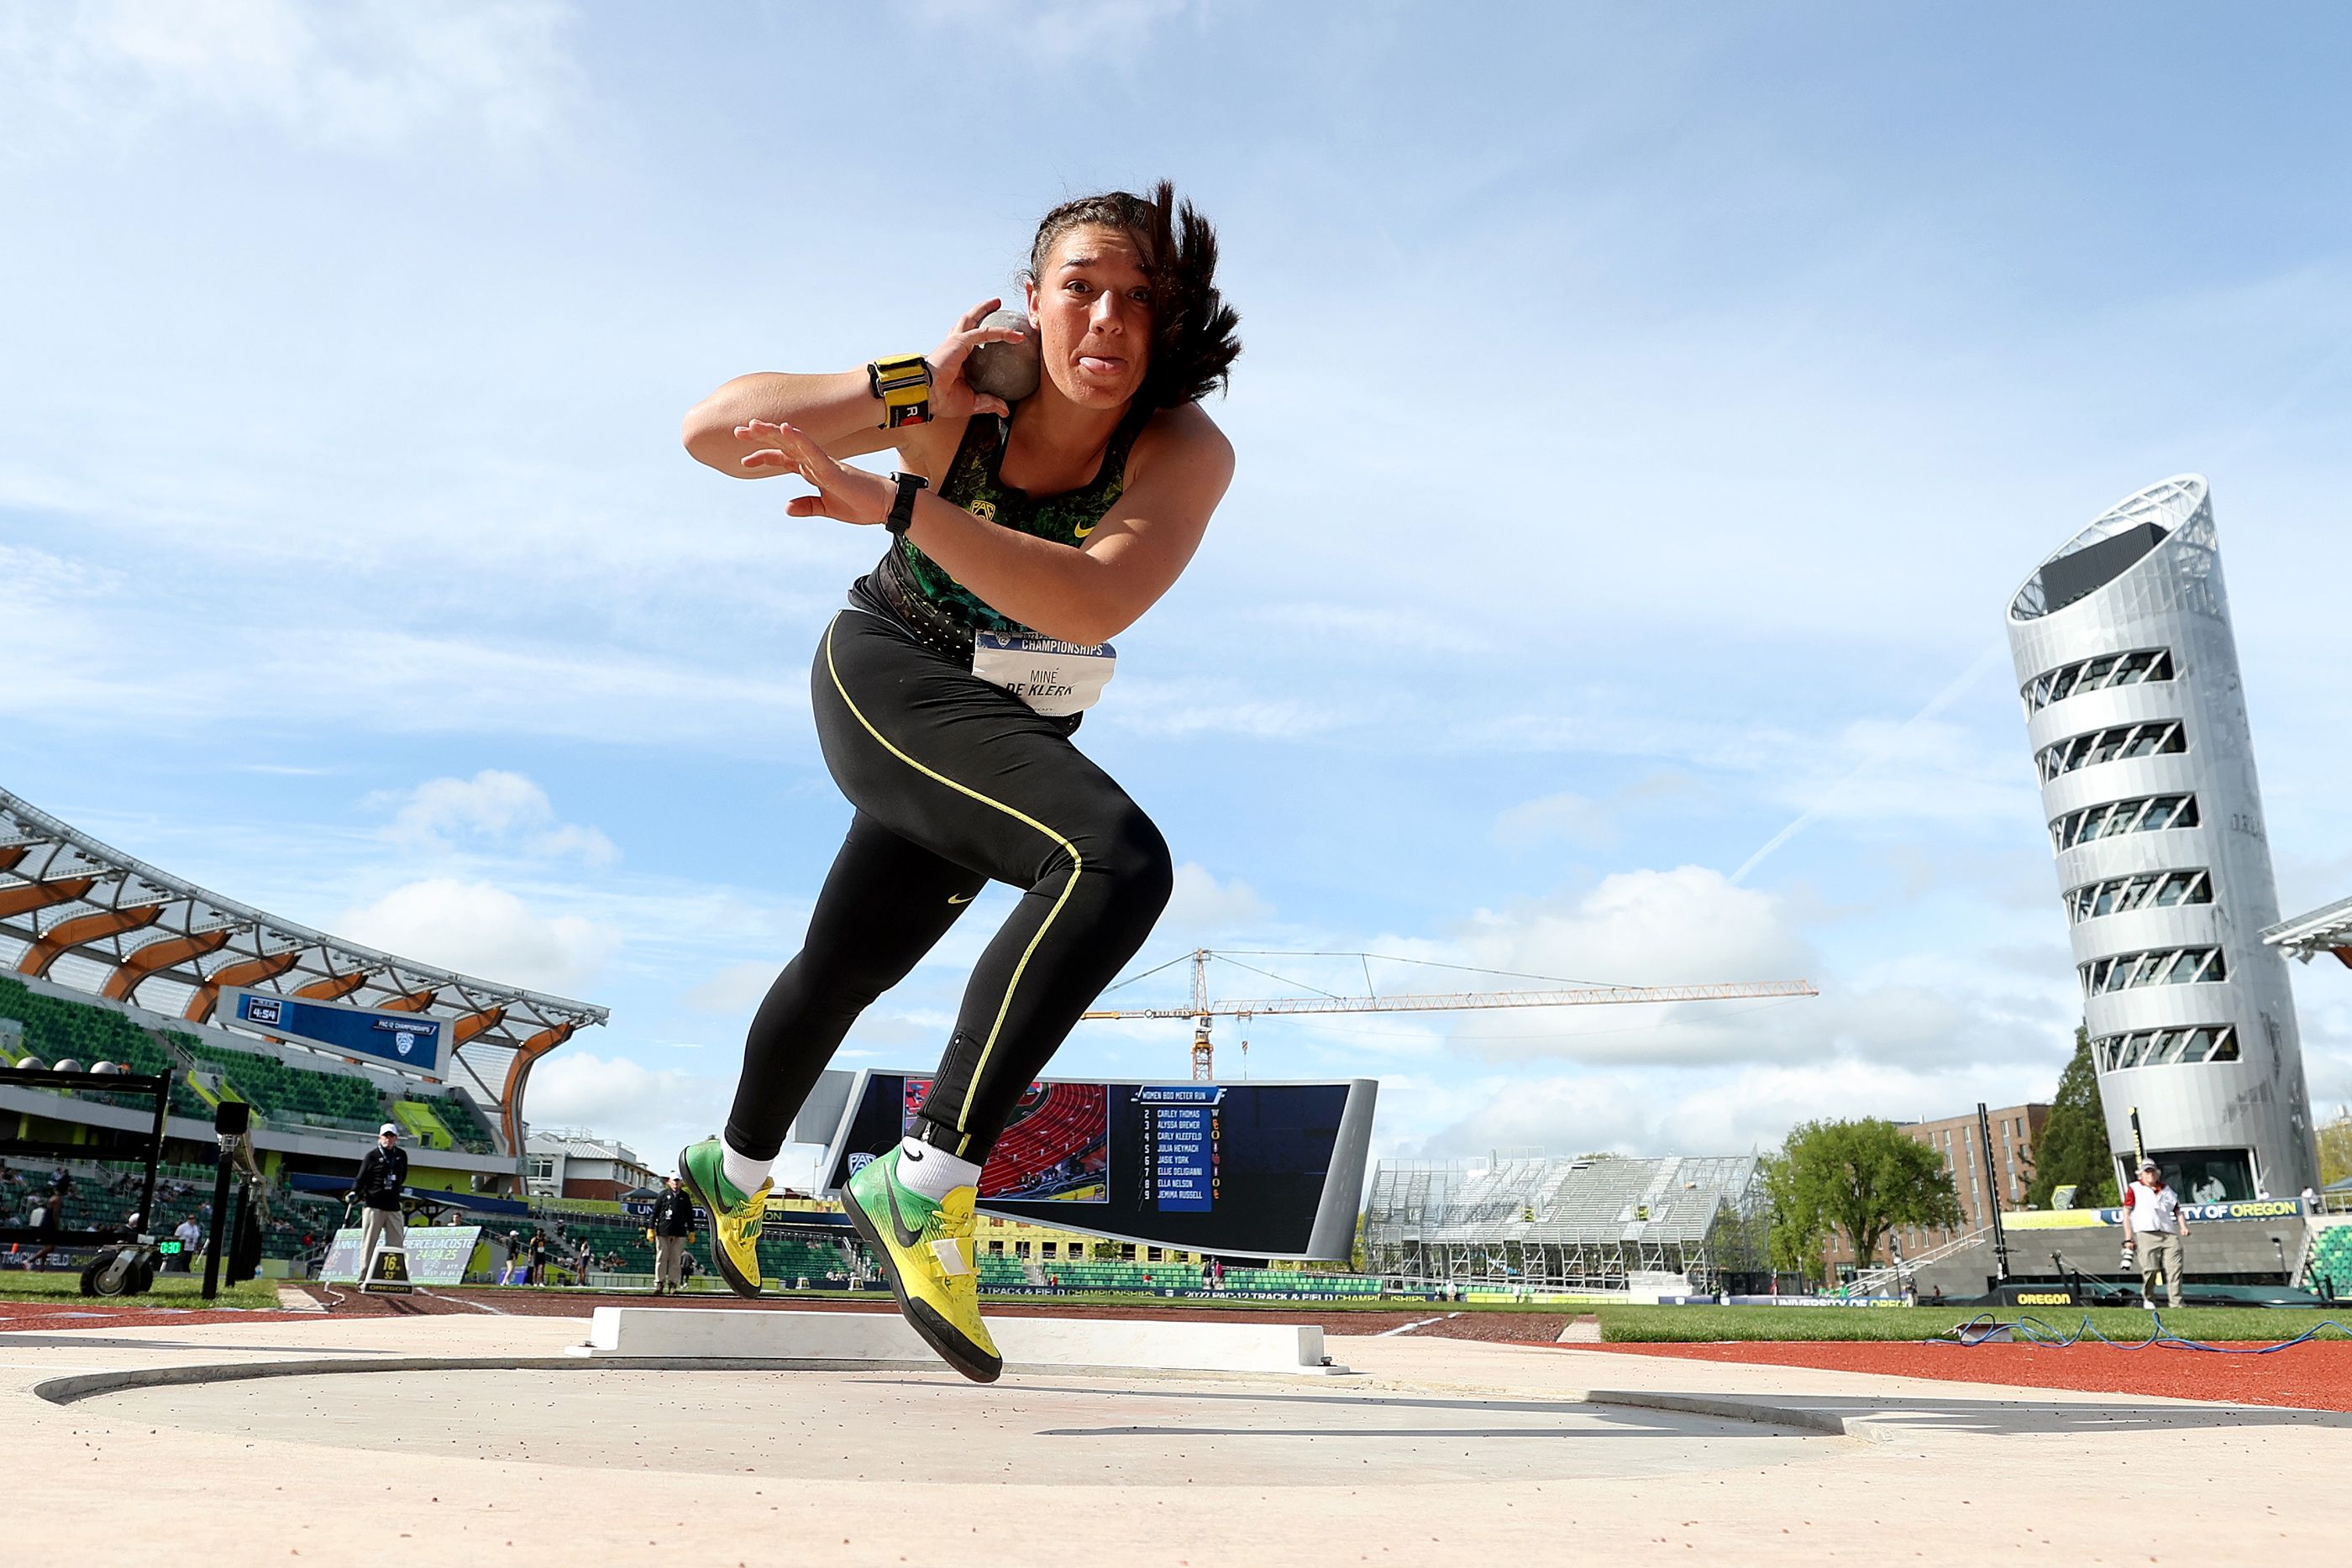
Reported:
(952, 397)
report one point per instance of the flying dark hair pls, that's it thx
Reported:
(1192, 341)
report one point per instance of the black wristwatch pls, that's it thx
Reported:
(902, 510)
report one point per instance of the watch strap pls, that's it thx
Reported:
(902, 510)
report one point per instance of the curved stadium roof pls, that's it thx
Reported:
(77, 911)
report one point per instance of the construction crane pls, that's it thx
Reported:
(1203, 1011)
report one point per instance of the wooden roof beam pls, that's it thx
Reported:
(67, 934)
(334, 986)
(159, 956)
(472, 1024)
(519, 1073)
(32, 895)
(244, 972)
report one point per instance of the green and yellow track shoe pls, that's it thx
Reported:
(925, 1249)
(735, 1220)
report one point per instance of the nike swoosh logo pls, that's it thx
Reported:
(1079, 533)
(899, 1226)
(967, 898)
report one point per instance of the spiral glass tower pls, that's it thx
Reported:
(2137, 720)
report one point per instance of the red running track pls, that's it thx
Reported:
(94, 1313)
(2312, 1376)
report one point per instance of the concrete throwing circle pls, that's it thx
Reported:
(882, 1427)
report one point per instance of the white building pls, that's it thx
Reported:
(2138, 719)
(572, 1162)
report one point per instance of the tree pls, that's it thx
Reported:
(2073, 1148)
(2335, 1147)
(1863, 1177)
(1798, 1227)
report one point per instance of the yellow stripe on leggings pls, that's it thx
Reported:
(1077, 864)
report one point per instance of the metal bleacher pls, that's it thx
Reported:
(1601, 1224)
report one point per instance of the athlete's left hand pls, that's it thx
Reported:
(843, 494)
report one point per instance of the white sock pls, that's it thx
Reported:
(744, 1173)
(932, 1171)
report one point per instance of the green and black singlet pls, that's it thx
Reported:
(937, 607)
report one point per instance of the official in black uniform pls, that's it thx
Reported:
(673, 1224)
(383, 1173)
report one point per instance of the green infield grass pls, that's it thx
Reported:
(1698, 1325)
(170, 1290)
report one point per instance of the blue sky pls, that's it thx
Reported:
(1646, 415)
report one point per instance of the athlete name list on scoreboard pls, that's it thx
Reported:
(1181, 1130)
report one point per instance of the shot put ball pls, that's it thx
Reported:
(1009, 371)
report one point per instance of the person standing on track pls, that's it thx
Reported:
(384, 1171)
(946, 692)
(672, 1223)
(191, 1237)
(2157, 1232)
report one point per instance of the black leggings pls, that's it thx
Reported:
(956, 784)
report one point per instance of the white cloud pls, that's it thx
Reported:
(356, 74)
(736, 988)
(494, 807)
(1636, 1112)
(1060, 30)
(1202, 905)
(1163, 706)
(1565, 817)
(479, 929)
(654, 1111)
(1646, 927)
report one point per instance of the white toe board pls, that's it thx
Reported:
(750, 1334)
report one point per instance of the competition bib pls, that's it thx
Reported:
(1058, 679)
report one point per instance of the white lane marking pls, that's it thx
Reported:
(477, 1306)
(1408, 1328)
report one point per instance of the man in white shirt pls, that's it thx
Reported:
(2156, 1232)
(191, 1237)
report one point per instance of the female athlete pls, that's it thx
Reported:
(1022, 537)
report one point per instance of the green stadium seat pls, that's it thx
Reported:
(2331, 1260)
(423, 1128)
(286, 1094)
(465, 1123)
(55, 1030)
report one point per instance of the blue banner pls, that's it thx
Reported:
(413, 1041)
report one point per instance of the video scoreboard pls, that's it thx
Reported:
(1253, 1169)
(1177, 1173)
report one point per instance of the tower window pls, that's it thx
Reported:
(2159, 739)
(2095, 675)
(2149, 890)
(2168, 966)
(2109, 818)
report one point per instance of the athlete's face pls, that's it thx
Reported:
(1092, 307)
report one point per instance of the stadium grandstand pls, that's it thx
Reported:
(106, 958)
(1605, 1224)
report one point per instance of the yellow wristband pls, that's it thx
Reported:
(904, 385)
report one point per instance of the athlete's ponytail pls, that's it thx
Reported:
(1194, 344)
